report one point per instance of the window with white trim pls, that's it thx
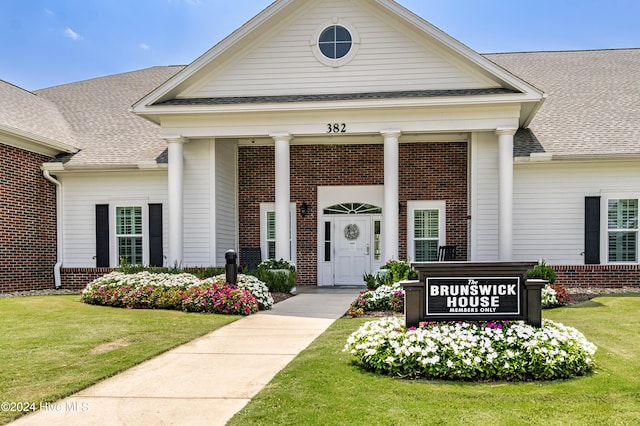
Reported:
(268, 231)
(129, 235)
(335, 42)
(426, 229)
(622, 230)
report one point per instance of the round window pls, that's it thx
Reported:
(335, 42)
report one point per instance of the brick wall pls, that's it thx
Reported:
(78, 278)
(598, 275)
(429, 171)
(27, 222)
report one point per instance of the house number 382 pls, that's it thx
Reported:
(336, 128)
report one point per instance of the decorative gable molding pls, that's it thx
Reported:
(271, 56)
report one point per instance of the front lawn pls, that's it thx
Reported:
(54, 346)
(322, 386)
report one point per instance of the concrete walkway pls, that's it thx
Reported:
(206, 381)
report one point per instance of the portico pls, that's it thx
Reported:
(428, 156)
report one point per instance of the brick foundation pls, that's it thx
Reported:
(78, 278)
(598, 275)
(27, 222)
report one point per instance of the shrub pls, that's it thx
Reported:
(206, 271)
(277, 264)
(554, 296)
(200, 272)
(392, 272)
(278, 275)
(384, 298)
(253, 285)
(510, 350)
(146, 290)
(542, 271)
(217, 298)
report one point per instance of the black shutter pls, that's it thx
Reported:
(592, 230)
(102, 235)
(155, 235)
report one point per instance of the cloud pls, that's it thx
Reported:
(72, 34)
(144, 46)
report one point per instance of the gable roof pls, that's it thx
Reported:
(593, 104)
(31, 122)
(98, 111)
(289, 25)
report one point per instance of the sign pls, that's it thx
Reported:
(467, 296)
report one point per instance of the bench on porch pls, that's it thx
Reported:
(446, 253)
(250, 258)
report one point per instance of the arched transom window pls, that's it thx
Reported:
(353, 208)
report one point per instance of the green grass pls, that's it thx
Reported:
(54, 346)
(322, 386)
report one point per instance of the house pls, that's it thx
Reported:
(338, 135)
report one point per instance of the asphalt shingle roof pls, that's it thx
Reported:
(25, 111)
(593, 108)
(98, 110)
(593, 104)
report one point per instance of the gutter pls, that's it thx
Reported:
(57, 278)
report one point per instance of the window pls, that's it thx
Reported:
(271, 235)
(268, 231)
(131, 231)
(327, 241)
(353, 208)
(426, 234)
(129, 235)
(335, 42)
(425, 229)
(622, 230)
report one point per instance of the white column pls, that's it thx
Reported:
(505, 198)
(283, 196)
(390, 233)
(176, 199)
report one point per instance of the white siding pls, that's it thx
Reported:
(226, 198)
(198, 206)
(484, 198)
(81, 193)
(389, 58)
(549, 205)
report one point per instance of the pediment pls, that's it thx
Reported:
(276, 55)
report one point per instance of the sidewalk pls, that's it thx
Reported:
(206, 381)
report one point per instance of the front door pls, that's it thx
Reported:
(355, 248)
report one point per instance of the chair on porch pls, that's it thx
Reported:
(250, 258)
(446, 253)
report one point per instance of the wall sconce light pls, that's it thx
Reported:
(304, 209)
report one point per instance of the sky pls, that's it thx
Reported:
(46, 43)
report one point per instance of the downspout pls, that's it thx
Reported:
(57, 278)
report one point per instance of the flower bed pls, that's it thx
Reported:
(146, 290)
(510, 351)
(554, 296)
(383, 298)
(391, 298)
(254, 286)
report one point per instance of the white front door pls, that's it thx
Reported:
(353, 249)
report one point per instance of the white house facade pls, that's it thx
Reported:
(340, 134)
